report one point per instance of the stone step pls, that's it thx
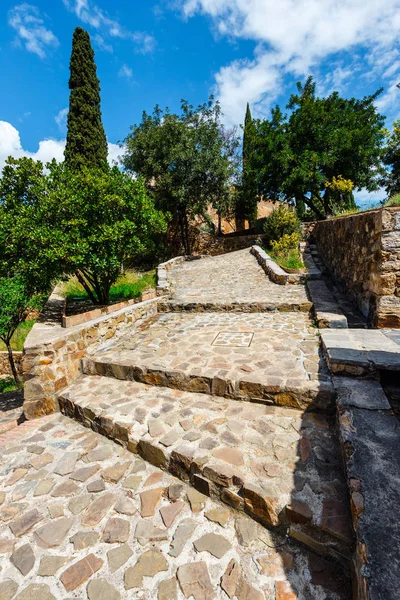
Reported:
(191, 305)
(282, 467)
(241, 356)
(326, 310)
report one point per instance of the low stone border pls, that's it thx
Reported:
(52, 354)
(104, 310)
(279, 275)
(325, 308)
(163, 286)
(5, 368)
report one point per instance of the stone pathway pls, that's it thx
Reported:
(271, 357)
(81, 517)
(233, 281)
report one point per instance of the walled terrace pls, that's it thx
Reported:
(236, 449)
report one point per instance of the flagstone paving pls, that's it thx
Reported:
(271, 357)
(112, 526)
(230, 282)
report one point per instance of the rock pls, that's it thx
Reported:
(167, 589)
(170, 512)
(170, 438)
(115, 473)
(80, 572)
(175, 491)
(99, 454)
(195, 581)
(78, 504)
(2, 497)
(149, 564)
(35, 449)
(197, 500)
(181, 536)
(84, 539)
(68, 488)
(116, 530)
(54, 533)
(232, 499)
(218, 515)
(149, 500)
(246, 591)
(20, 491)
(98, 509)
(36, 591)
(23, 559)
(284, 591)
(258, 503)
(132, 482)
(44, 487)
(85, 473)
(153, 454)
(231, 578)
(215, 544)
(117, 557)
(100, 589)
(125, 506)
(298, 512)
(154, 479)
(246, 531)
(96, 486)
(229, 455)
(67, 464)
(146, 531)
(6, 545)
(49, 565)
(155, 427)
(8, 589)
(56, 510)
(16, 476)
(25, 522)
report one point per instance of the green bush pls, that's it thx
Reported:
(280, 222)
(393, 201)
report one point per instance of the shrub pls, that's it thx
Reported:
(280, 222)
(285, 243)
(393, 201)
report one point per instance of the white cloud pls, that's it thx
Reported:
(31, 31)
(292, 36)
(93, 15)
(61, 118)
(10, 145)
(125, 71)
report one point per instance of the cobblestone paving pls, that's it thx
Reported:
(274, 356)
(289, 457)
(234, 278)
(83, 518)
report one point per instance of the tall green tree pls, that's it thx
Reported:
(86, 141)
(391, 158)
(320, 152)
(187, 161)
(246, 206)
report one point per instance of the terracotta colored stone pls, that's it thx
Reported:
(25, 522)
(16, 476)
(230, 579)
(229, 455)
(149, 500)
(115, 473)
(85, 473)
(80, 572)
(98, 509)
(194, 580)
(284, 591)
(153, 479)
(258, 503)
(170, 512)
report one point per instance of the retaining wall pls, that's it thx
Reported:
(5, 368)
(362, 252)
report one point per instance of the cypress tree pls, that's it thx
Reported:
(246, 207)
(248, 121)
(86, 141)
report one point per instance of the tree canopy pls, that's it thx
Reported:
(86, 141)
(320, 152)
(187, 160)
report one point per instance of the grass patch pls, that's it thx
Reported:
(7, 384)
(129, 285)
(393, 201)
(288, 260)
(19, 337)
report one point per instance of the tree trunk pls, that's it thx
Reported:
(12, 364)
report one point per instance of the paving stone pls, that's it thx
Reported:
(246, 591)
(25, 522)
(175, 491)
(42, 460)
(284, 591)
(231, 578)
(213, 543)
(7, 545)
(84, 539)
(101, 589)
(149, 564)
(85, 473)
(125, 506)
(132, 482)
(35, 449)
(149, 500)
(115, 473)
(23, 559)
(49, 565)
(170, 438)
(229, 455)
(194, 580)
(99, 454)
(153, 479)
(67, 488)
(183, 532)
(2, 497)
(96, 486)
(20, 491)
(246, 531)
(117, 557)
(80, 572)
(44, 487)
(116, 530)
(54, 533)
(218, 515)
(98, 509)
(67, 464)
(167, 589)
(146, 531)
(8, 589)
(197, 500)
(36, 591)
(170, 512)
(16, 476)
(78, 504)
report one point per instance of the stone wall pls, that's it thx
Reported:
(52, 354)
(205, 243)
(362, 252)
(5, 368)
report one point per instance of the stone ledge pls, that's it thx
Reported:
(279, 275)
(163, 285)
(326, 310)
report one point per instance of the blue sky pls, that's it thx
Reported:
(160, 51)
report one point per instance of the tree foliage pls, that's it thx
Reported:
(187, 160)
(391, 157)
(246, 207)
(296, 157)
(86, 141)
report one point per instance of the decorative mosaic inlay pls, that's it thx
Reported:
(236, 339)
